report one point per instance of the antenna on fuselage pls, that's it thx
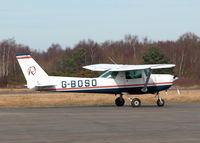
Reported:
(112, 60)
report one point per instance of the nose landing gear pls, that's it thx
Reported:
(160, 102)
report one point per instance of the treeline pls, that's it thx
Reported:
(57, 60)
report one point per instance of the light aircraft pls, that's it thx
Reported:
(117, 79)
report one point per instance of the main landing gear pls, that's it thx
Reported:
(135, 102)
(119, 101)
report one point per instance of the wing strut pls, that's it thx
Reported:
(144, 89)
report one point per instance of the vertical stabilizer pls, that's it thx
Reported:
(33, 73)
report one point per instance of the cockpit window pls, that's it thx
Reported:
(133, 74)
(109, 74)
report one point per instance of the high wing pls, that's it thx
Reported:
(101, 67)
(119, 67)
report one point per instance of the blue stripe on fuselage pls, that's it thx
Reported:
(130, 90)
(22, 54)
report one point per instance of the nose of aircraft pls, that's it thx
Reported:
(175, 77)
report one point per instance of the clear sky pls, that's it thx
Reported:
(39, 23)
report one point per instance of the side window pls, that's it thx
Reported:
(114, 74)
(133, 74)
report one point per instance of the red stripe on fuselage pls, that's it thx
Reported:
(23, 57)
(111, 86)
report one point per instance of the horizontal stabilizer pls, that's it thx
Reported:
(45, 86)
(41, 87)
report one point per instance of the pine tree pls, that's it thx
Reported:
(155, 55)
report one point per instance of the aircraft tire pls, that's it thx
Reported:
(136, 102)
(119, 101)
(160, 103)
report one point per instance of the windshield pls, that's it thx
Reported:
(109, 74)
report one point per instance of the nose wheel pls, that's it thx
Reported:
(160, 102)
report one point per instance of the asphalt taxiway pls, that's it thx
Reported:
(178, 123)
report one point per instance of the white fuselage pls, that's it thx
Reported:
(116, 85)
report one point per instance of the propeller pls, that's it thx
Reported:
(177, 90)
(175, 77)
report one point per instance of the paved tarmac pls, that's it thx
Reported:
(177, 123)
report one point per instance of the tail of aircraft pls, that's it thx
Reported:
(33, 73)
